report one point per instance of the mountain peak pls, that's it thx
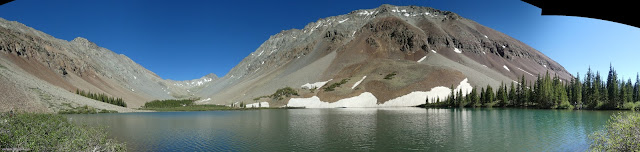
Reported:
(210, 75)
(83, 41)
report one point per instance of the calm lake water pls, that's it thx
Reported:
(363, 129)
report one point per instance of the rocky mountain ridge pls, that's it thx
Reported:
(425, 49)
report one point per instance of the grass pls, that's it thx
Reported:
(51, 132)
(85, 110)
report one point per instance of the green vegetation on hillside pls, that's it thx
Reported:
(552, 93)
(620, 134)
(169, 103)
(287, 92)
(102, 97)
(85, 110)
(334, 85)
(181, 105)
(51, 132)
(390, 75)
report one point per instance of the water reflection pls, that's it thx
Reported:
(354, 129)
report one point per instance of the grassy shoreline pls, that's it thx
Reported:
(51, 132)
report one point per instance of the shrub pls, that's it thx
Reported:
(287, 91)
(334, 85)
(620, 134)
(390, 76)
(50, 132)
(85, 110)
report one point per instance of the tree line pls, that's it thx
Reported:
(102, 97)
(169, 103)
(552, 93)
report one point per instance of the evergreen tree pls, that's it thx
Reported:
(451, 99)
(504, 98)
(577, 90)
(587, 89)
(512, 94)
(612, 88)
(482, 96)
(474, 97)
(489, 95)
(636, 89)
(460, 99)
(628, 91)
(520, 92)
(597, 93)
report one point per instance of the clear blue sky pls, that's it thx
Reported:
(188, 39)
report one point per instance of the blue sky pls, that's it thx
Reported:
(188, 39)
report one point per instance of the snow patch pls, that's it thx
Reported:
(545, 66)
(422, 59)
(342, 21)
(315, 85)
(406, 14)
(367, 99)
(434, 51)
(507, 68)
(262, 52)
(134, 77)
(485, 66)
(365, 12)
(485, 53)
(504, 47)
(485, 36)
(404, 10)
(258, 105)
(357, 83)
(457, 50)
(525, 71)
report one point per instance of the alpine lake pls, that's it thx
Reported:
(354, 129)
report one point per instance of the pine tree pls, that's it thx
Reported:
(596, 92)
(482, 96)
(504, 97)
(520, 92)
(636, 89)
(474, 97)
(587, 89)
(452, 100)
(512, 94)
(612, 88)
(628, 91)
(460, 99)
(577, 90)
(489, 97)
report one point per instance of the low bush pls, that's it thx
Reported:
(390, 76)
(51, 132)
(620, 134)
(287, 92)
(334, 85)
(85, 110)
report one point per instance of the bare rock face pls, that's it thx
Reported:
(386, 55)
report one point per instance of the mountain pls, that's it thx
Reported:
(386, 56)
(424, 47)
(42, 73)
